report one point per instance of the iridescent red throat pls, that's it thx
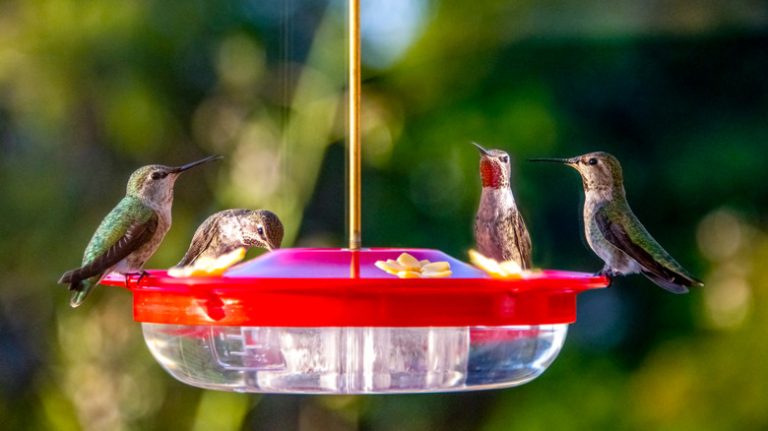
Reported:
(491, 174)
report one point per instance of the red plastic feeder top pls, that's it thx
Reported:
(338, 287)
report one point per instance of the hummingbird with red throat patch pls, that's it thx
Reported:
(613, 231)
(500, 231)
(131, 233)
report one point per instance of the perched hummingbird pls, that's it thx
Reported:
(500, 231)
(612, 230)
(129, 235)
(227, 230)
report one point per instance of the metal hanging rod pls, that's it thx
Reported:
(353, 28)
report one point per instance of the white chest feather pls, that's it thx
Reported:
(495, 208)
(494, 203)
(135, 261)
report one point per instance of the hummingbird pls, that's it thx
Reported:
(130, 234)
(613, 231)
(500, 231)
(230, 229)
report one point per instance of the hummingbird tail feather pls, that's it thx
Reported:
(677, 285)
(80, 291)
(78, 286)
(77, 298)
(67, 277)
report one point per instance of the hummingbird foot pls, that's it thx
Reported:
(608, 273)
(142, 274)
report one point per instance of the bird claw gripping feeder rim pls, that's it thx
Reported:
(330, 321)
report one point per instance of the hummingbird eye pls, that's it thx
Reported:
(159, 175)
(260, 230)
(592, 161)
(504, 159)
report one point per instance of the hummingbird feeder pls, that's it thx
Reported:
(330, 321)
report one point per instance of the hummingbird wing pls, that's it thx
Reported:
(126, 228)
(523, 239)
(631, 237)
(201, 240)
(509, 240)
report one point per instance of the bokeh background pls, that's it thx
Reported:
(678, 90)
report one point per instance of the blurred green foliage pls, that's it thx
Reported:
(677, 90)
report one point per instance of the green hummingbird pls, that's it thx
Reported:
(227, 230)
(130, 234)
(613, 231)
(500, 231)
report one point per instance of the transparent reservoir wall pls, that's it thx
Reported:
(354, 360)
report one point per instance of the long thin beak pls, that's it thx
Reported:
(191, 165)
(570, 162)
(483, 151)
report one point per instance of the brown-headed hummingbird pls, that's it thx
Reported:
(613, 231)
(131, 233)
(230, 229)
(500, 231)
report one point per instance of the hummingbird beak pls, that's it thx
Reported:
(570, 162)
(191, 165)
(483, 151)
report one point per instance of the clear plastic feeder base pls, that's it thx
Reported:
(330, 321)
(354, 360)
